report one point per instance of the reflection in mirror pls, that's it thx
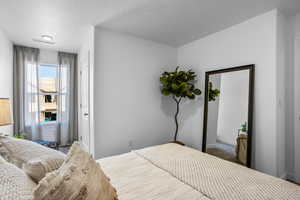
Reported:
(227, 115)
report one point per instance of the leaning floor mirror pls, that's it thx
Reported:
(228, 114)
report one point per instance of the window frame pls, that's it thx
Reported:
(40, 93)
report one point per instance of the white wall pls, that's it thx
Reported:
(213, 112)
(281, 70)
(130, 111)
(297, 111)
(291, 31)
(6, 75)
(48, 56)
(289, 100)
(251, 42)
(233, 105)
(297, 96)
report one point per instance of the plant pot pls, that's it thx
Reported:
(177, 142)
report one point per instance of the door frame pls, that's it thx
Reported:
(84, 62)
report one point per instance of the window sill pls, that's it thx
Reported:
(48, 123)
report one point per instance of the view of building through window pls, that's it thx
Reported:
(48, 94)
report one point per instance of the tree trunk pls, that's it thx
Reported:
(176, 116)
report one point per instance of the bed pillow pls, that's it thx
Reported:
(4, 153)
(35, 159)
(14, 183)
(37, 168)
(80, 177)
(2, 160)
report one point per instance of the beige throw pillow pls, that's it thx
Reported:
(35, 159)
(79, 178)
(37, 168)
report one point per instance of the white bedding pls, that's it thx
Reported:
(14, 183)
(137, 179)
(172, 171)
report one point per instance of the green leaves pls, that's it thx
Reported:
(165, 92)
(179, 84)
(244, 127)
(174, 86)
(197, 92)
(212, 93)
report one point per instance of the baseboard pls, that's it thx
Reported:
(284, 176)
(290, 176)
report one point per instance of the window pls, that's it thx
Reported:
(48, 98)
(50, 116)
(48, 92)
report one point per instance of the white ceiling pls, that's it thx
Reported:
(66, 20)
(174, 22)
(177, 22)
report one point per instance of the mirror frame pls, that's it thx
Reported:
(251, 69)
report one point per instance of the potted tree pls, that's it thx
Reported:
(179, 84)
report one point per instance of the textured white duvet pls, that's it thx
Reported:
(137, 179)
(172, 171)
(14, 183)
(168, 172)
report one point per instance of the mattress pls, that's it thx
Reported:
(173, 171)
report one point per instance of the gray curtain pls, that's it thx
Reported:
(25, 82)
(68, 99)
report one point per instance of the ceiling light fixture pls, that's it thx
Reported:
(47, 38)
(43, 41)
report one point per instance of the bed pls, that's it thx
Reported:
(172, 171)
